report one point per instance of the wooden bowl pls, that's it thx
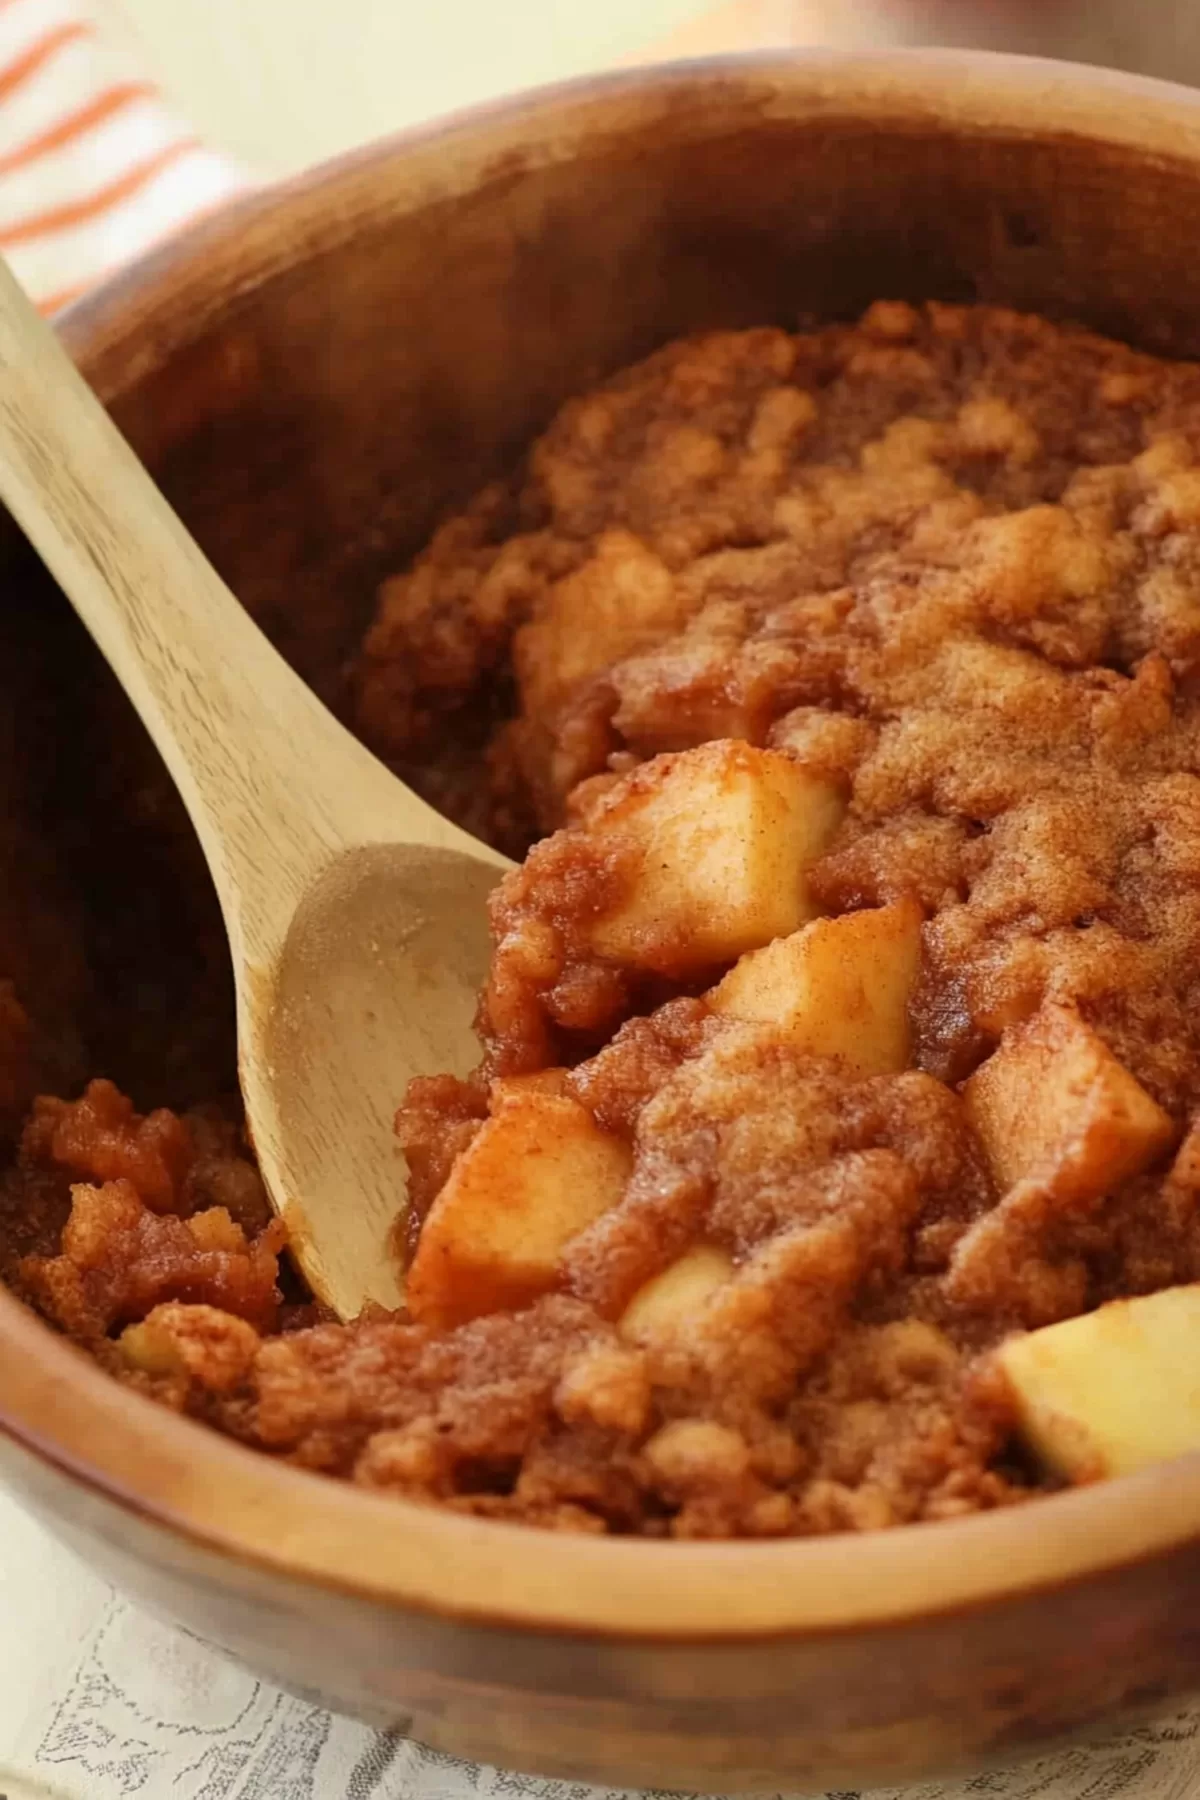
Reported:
(314, 377)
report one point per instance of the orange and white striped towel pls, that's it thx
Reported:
(94, 166)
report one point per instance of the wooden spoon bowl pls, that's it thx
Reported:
(312, 379)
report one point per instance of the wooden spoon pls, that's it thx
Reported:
(355, 913)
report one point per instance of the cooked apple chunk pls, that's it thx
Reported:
(838, 988)
(1054, 1105)
(665, 1305)
(539, 1171)
(725, 835)
(1111, 1391)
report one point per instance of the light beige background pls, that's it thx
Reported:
(286, 82)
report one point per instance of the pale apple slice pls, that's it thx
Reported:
(539, 1171)
(725, 835)
(1053, 1105)
(666, 1304)
(1111, 1391)
(837, 988)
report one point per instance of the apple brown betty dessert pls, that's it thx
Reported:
(833, 1160)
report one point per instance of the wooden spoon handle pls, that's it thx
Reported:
(273, 783)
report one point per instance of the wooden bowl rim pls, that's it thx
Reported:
(195, 1485)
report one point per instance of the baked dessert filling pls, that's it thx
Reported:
(832, 1159)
